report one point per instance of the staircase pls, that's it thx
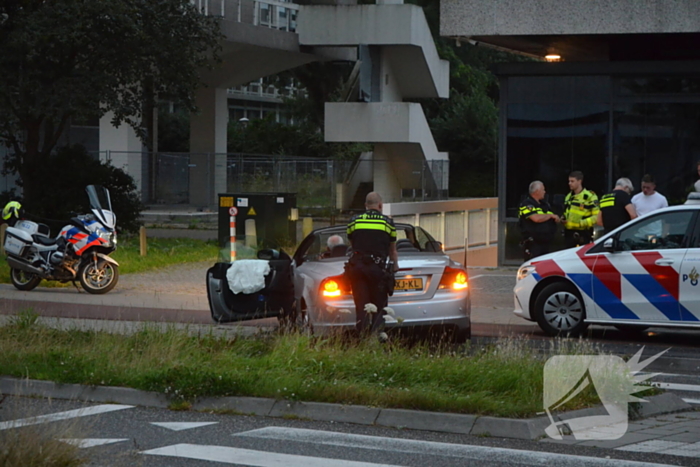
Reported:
(358, 201)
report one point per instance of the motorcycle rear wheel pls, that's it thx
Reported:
(23, 280)
(98, 278)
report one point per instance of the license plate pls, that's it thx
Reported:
(408, 284)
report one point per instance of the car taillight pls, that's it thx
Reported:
(455, 279)
(333, 287)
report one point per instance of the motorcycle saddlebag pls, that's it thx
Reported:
(16, 241)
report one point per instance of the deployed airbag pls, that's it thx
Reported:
(247, 275)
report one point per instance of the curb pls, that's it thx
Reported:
(528, 429)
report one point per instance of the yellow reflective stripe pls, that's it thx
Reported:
(383, 227)
(607, 201)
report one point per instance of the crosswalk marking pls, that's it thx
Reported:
(179, 426)
(84, 412)
(248, 457)
(676, 386)
(92, 442)
(431, 448)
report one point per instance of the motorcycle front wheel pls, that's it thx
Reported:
(23, 280)
(98, 277)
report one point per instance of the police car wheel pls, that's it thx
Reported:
(560, 311)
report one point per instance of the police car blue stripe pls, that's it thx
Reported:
(583, 282)
(656, 295)
(607, 300)
(687, 315)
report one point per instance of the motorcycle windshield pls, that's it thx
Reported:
(101, 205)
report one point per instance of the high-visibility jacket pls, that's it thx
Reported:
(541, 232)
(371, 233)
(581, 210)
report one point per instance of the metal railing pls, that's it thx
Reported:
(469, 223)
(268, 13)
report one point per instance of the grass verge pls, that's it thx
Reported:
(501, 380)
(41, 444)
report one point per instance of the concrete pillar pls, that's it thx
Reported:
(208, 147)
(386, 183)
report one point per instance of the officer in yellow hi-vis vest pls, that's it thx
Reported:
(580, 212)
(373, 239)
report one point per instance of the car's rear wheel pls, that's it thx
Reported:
(560, 311)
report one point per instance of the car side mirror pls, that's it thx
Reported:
(611, 245)
(268, 254)
(433, 246)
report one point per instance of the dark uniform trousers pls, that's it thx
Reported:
(371, 235)
(368, 280)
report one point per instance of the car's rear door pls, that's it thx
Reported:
(275, 298)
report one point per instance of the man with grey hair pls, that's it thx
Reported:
(537, 222)
(616, 207)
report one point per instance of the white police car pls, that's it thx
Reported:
(645, 273)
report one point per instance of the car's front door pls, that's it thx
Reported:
(274, 299)
(640, 280)
(689, 290)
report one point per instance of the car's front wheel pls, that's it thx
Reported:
(560, 311)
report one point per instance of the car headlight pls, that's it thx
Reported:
(525, 271)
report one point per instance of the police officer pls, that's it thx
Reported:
(580, 212)
(616, 208)
(537, 222)
(373, 239)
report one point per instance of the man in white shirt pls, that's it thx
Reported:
(649, 199)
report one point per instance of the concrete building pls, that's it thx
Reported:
(267, 37)
(613, 90)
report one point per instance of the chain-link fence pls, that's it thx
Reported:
(170, 178)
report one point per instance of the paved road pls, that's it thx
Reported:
(124, 435)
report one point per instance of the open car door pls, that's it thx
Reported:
(275, 299)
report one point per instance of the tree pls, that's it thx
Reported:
(72, 59)
(66, 195)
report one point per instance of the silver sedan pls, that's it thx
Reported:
(431, 291)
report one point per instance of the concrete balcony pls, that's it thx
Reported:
(402, 137)
(401, 30)
(381, 122)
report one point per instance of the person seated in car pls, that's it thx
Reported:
(332, 242)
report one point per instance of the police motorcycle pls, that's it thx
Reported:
(79, 252)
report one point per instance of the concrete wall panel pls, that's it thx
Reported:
(384, 25)
(544, 17)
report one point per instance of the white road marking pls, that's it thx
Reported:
(692, 401)
(84, 412)
(676, 386)
(431, 448)
(179, 426)
(252, 458)
(92, 442)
